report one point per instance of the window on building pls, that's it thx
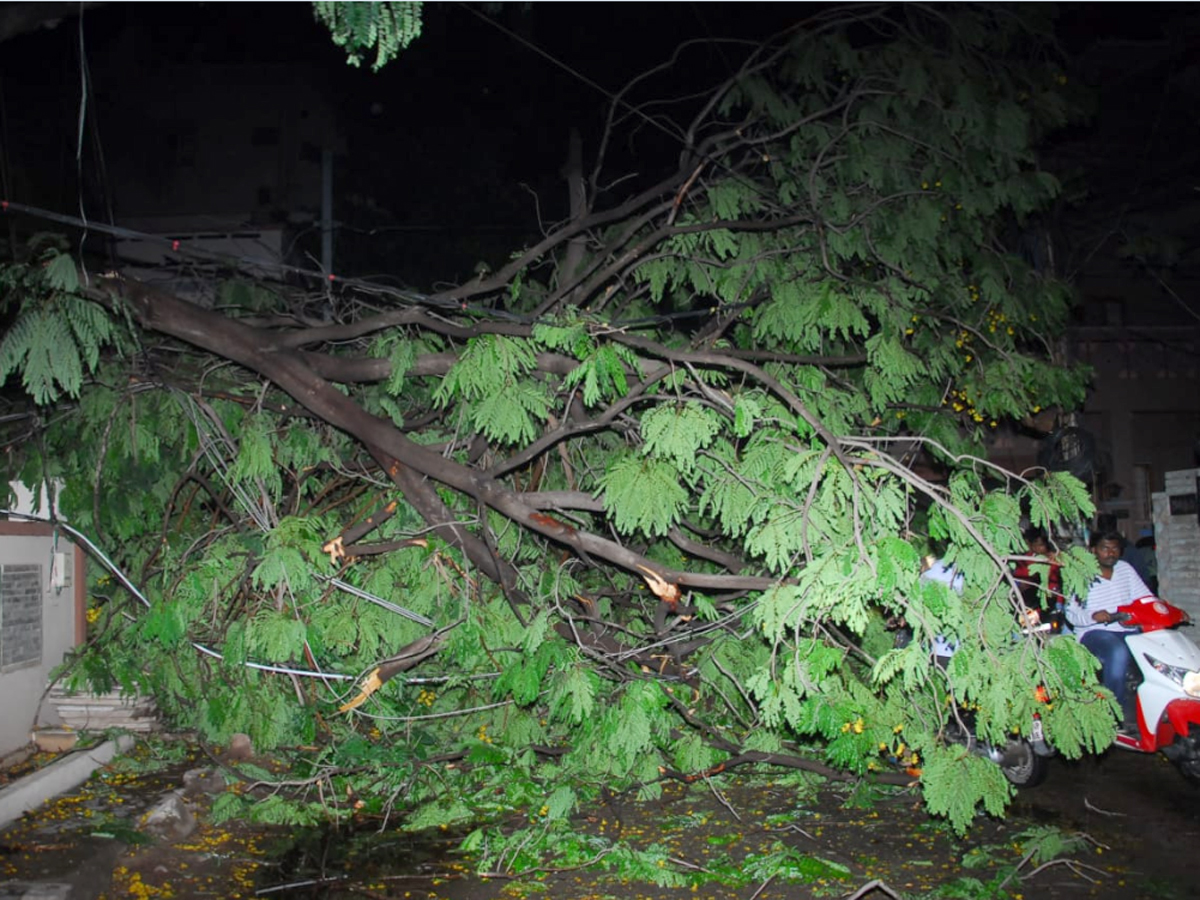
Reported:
(20, 616)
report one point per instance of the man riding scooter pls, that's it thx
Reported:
(1096, 623)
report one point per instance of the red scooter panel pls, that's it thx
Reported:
(1152, 614)
(1182, 714)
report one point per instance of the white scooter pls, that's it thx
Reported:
(1166, 676)
(1166, 679)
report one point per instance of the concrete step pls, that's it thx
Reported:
(57, 778)
(99, 712)
(35, 890)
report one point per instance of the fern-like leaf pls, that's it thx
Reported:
(677, 433)
(643, 495)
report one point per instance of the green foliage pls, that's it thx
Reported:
(643, 495)
(785, 464)
(57, 336)
(498, 402)
(278, 810)
(677, 434)
(601, 375)
(385, 26)
(1033, 847)
(226, 807)
(573, 695)
(976, 782)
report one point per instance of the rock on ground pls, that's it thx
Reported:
(170, 819)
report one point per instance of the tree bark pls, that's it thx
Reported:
(260, 351)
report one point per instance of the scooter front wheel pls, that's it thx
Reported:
(1022, 766)
(1191, 771)
(1185, 753)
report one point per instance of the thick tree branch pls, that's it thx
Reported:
(235, 341)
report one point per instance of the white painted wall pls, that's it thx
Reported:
(21, 687)
(26, 504)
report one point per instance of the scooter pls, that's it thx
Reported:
(1021, 759)
(1166, 678)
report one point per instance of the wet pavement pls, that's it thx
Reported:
(1142, 820)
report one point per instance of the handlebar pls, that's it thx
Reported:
(1149, 614)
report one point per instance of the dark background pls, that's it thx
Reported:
(440, 156)
(451, 158)
(447, 146)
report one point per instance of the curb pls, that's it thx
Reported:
(57, 778)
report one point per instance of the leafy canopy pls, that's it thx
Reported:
(655, 516)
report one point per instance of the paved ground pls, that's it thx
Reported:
(1142, 821)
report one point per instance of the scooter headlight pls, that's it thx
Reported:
(1191, 684)
(1185, 678)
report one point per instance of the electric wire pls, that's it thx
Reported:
(83, 105)
(379, 601)
(245, 263)
(119, 574)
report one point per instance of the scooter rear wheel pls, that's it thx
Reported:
(1022, 766)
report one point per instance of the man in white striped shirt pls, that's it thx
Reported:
(1093, 620)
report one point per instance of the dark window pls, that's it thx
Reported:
(264, 196)
(264, 136)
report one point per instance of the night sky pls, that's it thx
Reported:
(444, 150)
(446, 146)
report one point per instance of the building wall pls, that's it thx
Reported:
(209, 142)
(1143, 408)
(1177, 531)
(28, 559)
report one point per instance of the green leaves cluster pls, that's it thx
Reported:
(496, 400)
(55, 337)
(785, 462)
(385, 26)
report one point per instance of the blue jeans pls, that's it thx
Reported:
(1109, 647)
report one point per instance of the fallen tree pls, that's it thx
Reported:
(640, 503)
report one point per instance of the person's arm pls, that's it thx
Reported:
(1077, 613)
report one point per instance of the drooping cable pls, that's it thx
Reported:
(119, 574)
(83, 105)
